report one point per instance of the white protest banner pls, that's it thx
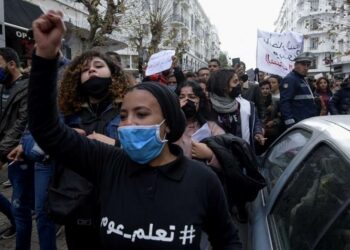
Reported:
(159, 62)
(276, 51)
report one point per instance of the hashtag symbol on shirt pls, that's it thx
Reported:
(187, 234)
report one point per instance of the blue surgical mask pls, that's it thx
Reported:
(141, 143)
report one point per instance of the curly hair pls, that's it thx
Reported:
(318, 83)
(70, 100)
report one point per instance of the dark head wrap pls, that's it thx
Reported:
(170, 106)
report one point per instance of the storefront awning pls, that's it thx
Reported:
(20, 14)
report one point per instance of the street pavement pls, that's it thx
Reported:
(10, 244)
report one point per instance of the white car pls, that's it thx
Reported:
(306, 204)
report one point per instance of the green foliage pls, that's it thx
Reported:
(223, 59)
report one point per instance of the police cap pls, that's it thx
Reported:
(304, 57)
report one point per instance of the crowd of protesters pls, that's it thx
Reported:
(147, 179)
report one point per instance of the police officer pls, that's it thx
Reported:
(297, 100)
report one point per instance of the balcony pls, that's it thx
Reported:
(177, 19)
(185, 3)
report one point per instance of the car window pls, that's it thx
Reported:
(338, 236)
(311, 199)
(283, 152)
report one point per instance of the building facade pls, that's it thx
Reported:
(198, 37)
(325, 25)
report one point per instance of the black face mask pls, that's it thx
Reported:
(236, 91)
(189, 109)
(96, 87)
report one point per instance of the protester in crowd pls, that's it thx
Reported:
(171, 82)
(199, 125)
(90, 100)
(272, 119)
(251, 92)
(150, 196)
(250, 89)
(30, 194)
(86, 107)
(13, 120)
(161, 77)
(262, 76)
(203, 74)
(204, 86)
(198, 116)
(214, 65)
(191, 76)
(340, 102)
(297, 100)
(324, 94)
(336, 84)
(235, 115)
(275, 82)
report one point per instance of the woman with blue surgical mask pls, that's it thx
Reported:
(150, 196)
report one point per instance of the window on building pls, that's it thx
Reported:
(134, 61)
(125, 61)
(314, 5)
(314, 24)
(314, 43)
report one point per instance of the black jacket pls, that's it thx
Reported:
(13, 120)
(340, 102)
(240, 176)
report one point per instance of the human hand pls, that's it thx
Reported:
(16, 154)
(183, 102)
(80, 131)
(101, 138)
(239, 69)
(270, 124)
(48, 31)
(201, 151)
(260, 139)
(174, 63)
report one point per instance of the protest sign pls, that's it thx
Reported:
(276, 51)
(159, 62)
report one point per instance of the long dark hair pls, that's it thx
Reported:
(218, 82)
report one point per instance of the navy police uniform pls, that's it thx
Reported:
(297, 100)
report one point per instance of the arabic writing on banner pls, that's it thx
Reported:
(276, 51)
(159, 62)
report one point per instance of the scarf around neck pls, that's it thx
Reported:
(223, 104)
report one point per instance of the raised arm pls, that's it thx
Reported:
(60, 142)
